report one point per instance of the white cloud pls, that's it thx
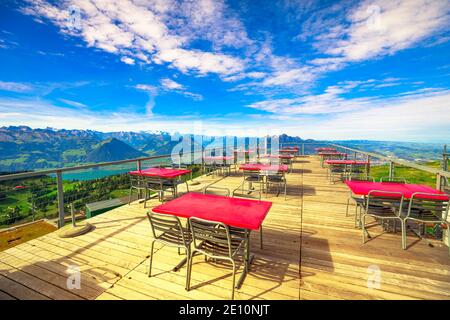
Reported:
(15, 86)
(158, 31)
(383, 27)
(127, 60)
(422, 116)
(171, 85)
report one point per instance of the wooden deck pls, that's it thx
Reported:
(312, 251)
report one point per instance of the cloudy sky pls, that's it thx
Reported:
(375, 69)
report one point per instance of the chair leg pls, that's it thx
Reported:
(189, 271)
(404, 233)
(348, 204)
(129, 198)
(261, 237)
(188, 256)
(151, 259)
(145, 197)
(403, 226)
(234, 279)
(363, 226)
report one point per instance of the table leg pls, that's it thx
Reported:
(247, 261)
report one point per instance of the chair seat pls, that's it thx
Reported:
(175, 237)
(424, 215)
(253, 178)
(221, 250)
(275, 179)
(380, 211)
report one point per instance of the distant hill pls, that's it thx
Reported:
(113, 150)
(23, 148)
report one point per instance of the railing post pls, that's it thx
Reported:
(438, 181)
(391, 170)
(303, 149)
(368, 167)
(60, 196)
(72, 211)
(138, 164)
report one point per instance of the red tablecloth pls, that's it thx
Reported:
(288, 151)
(219, 158)
(235, 212)
(278, 156)
(164, 173)
(263, 167)
(244, 151)
(348, 162)
(325, 149)
(363, 188)
(331, 153)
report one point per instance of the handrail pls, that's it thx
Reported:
(441, 175)
(406, 163)
(397, 161)
(22, 175)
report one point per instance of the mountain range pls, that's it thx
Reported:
(23, 148)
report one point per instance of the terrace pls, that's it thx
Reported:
(312, 250)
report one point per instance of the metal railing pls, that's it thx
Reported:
(442, 176)
(305, 148)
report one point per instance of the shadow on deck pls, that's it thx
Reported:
(311, 251)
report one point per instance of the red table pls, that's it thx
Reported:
(263, 167)
(348, 162)
(163, 173)
(288, 151)
(219, 158)
(362, 188)
(331, 153)
(325, 149)
(235, 212)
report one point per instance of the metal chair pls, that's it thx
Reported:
(217, 191)
(276, 178)
(383, 205)
(159, 186)
(423, 209)
(214, 240)
(359, 200)
(137, 183)
(168, 231)
(339, 170)
(393, 179)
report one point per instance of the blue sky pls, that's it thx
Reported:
(374, 69)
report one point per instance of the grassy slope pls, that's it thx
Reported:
(411, 175)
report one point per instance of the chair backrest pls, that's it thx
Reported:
(385, 199)
(360, 177)
(429, 204)
(167, 228)
(137, 181)
(213, 233)
(393, 179)
(153, 181)
(217, 191)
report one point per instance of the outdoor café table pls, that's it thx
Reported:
(246, 154)
(220, 161)
(288, 151)
(362, 188)
(325, 149)
(235, 212)
(285, 158)
(262, 169)
(326, 155)
(163, 173)
(344, 164)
